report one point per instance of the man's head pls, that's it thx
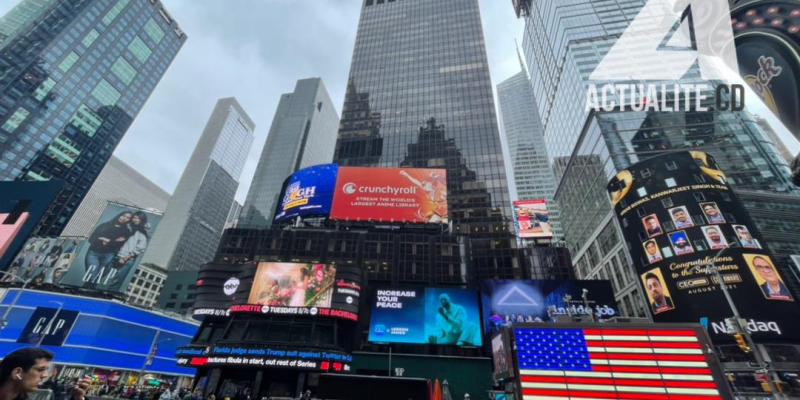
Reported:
(710, 210)
(651, 247)
(25, 368)
(681, 242)
(652, 223)
(765, 269)
(654, 286)
(679, 215)
(743, 233)
(713, 234)
(444, 300)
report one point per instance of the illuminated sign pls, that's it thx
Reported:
(532, 219)
(261, 357)
(308, 192)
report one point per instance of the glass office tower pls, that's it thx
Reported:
(73, 76)
(419, 93)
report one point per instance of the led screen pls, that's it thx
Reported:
(307, 192)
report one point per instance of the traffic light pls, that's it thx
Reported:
(742, 343)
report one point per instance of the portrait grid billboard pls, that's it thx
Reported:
(532, 219)
(308, 192)
(704, 224)
(45, 260)
(438, 316)
(112, 252)
(391, 195)
(314, 289)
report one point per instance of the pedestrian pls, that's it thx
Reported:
(142, 394)
(22, 370)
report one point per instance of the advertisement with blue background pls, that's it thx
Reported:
(308, 192)
(94, 332)
(506, 302)
(449, 317)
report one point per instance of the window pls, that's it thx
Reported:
(671, 166)
(68, 61)
(63, 150)
(179, 287)
(170, 305)
(641, 212)
(124, 70)
(646, 173)
(106, 94)
(114, 12)
(667, 202)
(154, 31)
(671, 182)
(16, 119)
(173, 296)
(699, 196)
(86, 120)
(140, 49)
(641, 191)
(44, 89)
(90, 38)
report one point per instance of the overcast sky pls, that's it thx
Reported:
(256, 50)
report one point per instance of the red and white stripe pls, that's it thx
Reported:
(652, 364)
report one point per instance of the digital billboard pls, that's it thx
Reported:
(114, 249)
(507, 302)
(219, 286)
(532, 219)
(501, 355)
(617, 361)
(391, 195)
(703, 225)
(302, 289)
(307, 192)
(439, 316)
(22, 206)
(264, 357)
(45, 260)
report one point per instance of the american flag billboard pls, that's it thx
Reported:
(592, 362)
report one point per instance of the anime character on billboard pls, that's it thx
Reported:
(745, 238)
(434, 208)
(653, 254)
(652, 225)
(619, 187)
(660, 300)
(767, 277)
(680, 216)
(680, 242)
(714, 237)
(711, 210)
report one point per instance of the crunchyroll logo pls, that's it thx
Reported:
(349, 188)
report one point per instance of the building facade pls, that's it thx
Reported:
(73, 76)
(783, 150)
(179, 291)
(146, 285)
(533, 177)
(419, 94)
(233, 215)
(196, 214)
(118, 183)
(303, 133)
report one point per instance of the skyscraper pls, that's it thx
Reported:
(118, 183)
(419, 94)
(303, 133)
(783, 150)
(73, 76)
(563, 43)
(533, 176)
(195, 216)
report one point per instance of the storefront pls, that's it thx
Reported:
(104, 339)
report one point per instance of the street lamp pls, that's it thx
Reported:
(4, 319)
(50, 324)
(743, 329)
(151, 354)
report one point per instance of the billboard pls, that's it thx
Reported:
(686, 197)
(113, 251)
(391, 195)
(617, 361)
(531, 219)
(439, 316)
(296, 358)
(507, 302)
(307, 192)
(45, 260)
(22, 206)
(502, 356)
(300, 289)
(48, 326)
(219, 286)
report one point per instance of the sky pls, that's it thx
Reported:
(255, 50)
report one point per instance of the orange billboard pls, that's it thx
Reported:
(391, 195)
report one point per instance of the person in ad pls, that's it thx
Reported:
(773, 287)
(681, 243)
(133, 248)
(653, 254)
(681, 218)
(652, 225)
(434, 208)
(714, 237)
(24, 370)
(104, 243)
(658, 293)
(452, 325)
(712, 213)
(745, 238)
